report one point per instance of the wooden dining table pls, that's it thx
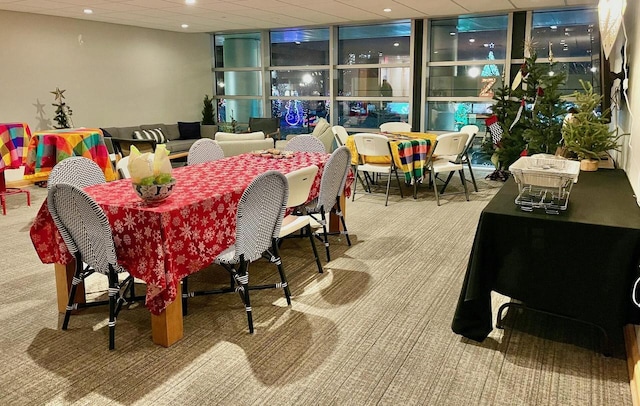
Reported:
(162, 243)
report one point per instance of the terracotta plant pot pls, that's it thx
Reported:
(589, 165)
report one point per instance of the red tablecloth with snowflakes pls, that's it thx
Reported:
(162, 244)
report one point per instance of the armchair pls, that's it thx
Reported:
(269, 126)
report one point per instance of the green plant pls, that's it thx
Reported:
(207, 111)
(586, 133)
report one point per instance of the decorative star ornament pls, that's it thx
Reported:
(58, 93)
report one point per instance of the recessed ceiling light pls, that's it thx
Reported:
(387, 10)
(472, 40)
(189, 1)
(185, 26)
(554, 27)
(452, 33)
(87, 11)
(396, 44)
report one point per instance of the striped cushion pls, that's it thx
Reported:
(156, 134)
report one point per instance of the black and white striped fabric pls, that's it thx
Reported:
(259, 218)
(86, 224)
(305, 143)
(77, 171)
(155, 134)
(204, 150)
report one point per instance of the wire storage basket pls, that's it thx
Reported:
(544, 182)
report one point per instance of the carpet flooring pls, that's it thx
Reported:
(374, 328)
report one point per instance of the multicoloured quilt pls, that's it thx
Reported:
(47, 148)
(14, 138)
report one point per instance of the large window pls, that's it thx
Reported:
(374, 75)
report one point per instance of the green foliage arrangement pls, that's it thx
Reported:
(207, 111)
(587, 134)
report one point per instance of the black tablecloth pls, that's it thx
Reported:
(580, 263)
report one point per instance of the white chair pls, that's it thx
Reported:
(395, 127)
(332, 183)
(204, 150)
(258, 222)
(447, 146)
(369, 145)
(472, 130)
(305, 143)
(123, 168)
(87, 233)
(340, 134)
(300, 182)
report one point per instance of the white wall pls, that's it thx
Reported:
(114, 75)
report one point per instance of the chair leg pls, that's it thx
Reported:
(325, 234)
(185, 295)
(435, 187)
(242, 280)
(473, 178)
(77, 279)
(355, 185)
(283, 277)
(399, 184)
(338, 212)
(446, 182)
(315, 250)
(113, 293)
(464, 183)
(386, 200)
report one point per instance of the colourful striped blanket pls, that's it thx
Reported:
(14, 138)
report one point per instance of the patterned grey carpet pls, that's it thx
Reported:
(373, 329)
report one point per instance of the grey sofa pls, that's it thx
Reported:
(180, 137)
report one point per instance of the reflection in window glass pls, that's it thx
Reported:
(300, 47)
(374, 44)
(370, 114)
(572, 33)
(242, 83)
(299, 116)
(237, 50)
(299, 83)
(465, 81)
(238, 110)
(375, 82)
(452, 116)
(469, 38)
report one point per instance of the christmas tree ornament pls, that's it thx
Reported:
(494, 129)
(518, 115)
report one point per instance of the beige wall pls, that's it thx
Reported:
(114, 75)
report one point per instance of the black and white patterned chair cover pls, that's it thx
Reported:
(305, 143)
(258, 221)
(86, 224)
(204, 150)
(334, 177)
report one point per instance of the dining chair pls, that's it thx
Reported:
(270, 126)
(334, 177)
(258, 222)
(204, 150)
(87, 233)
(77, 171)
(395, 127)
(368, 145)
(300, 182)
(123, 168)
(472, 130)
(439, 161)
(340, 134)
(305, 143)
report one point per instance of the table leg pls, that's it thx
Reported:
(64, 275)
(334, 220)
(167, 327)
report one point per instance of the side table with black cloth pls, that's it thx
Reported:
(579, 264)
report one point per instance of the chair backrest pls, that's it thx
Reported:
(451, 144)
(123, 168)
(472, 130)
(76, 170)
(260, 214)
(340, 135)
(204, 150)
(300, 182)
(267, 125)
(370, 144)
(334, 176)
(86, 224)
(305, 143)
(395, 126)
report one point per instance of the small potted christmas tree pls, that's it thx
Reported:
(208, 127)
(587, 133)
